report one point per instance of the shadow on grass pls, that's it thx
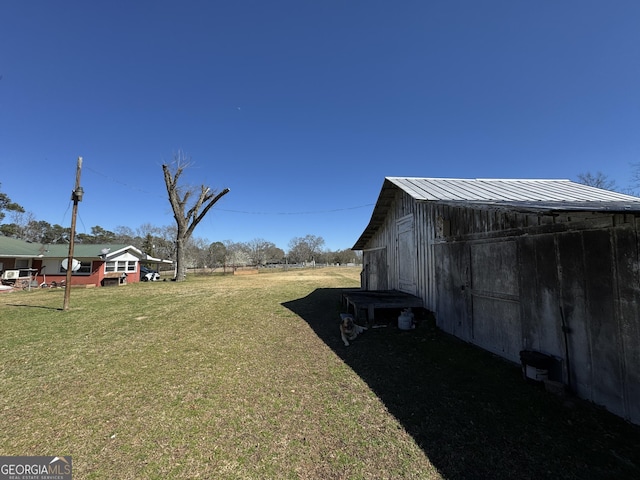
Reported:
(471, 412)
(33, 306)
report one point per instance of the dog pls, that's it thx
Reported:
(349, 330)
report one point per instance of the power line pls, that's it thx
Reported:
(311, 212)
(115, 180)
(243, 212)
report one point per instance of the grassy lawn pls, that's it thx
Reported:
(232, 377)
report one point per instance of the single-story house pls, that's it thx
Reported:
(513, 266)
(93, 265)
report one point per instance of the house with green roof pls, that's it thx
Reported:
(93, 265)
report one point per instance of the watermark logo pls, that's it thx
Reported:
(35, 468)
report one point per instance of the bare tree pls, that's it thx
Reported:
(197, 252)
(236, 254)
(125, 235)
(165, 246)
(343, 257)
(262, 251)
(635, 177)
(7, 205)
(599, 180)
(147, 229)
(22, 221)
(187, 221)
(305, 249)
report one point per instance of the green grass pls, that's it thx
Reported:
(246, 377)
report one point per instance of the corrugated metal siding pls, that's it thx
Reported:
(424, 231)
(506, 195)
(425, 221)
(386, 237)
(578, 267)
(581, 270)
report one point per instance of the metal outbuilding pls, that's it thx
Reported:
(516, 265)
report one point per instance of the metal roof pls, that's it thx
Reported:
(532, 195)
(15, 248)
(506, 191)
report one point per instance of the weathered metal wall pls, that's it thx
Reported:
(387, 237)
(374, 272)
(425, 233)
(567, 286)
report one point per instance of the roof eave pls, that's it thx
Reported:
(149, 258)
(542, 207)
(126, 249)
(385, 199)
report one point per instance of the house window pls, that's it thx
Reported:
(120, 266)
(22, 263)
(85, 268)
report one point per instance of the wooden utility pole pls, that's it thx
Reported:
(76, 196)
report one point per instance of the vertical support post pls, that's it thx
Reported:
(76, 196)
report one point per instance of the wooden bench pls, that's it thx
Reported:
(371, 300)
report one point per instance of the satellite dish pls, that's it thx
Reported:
(104, 251)
(75, 264)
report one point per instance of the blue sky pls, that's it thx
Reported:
(302, 108)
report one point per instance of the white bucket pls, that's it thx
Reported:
(405, 321)
(537, 374)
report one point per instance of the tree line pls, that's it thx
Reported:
(178, 244)
(160, 242)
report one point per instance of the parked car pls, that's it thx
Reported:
(148, 275)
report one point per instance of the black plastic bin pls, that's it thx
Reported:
(535, 365)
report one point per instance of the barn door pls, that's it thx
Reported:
(453, 299)
(406, 255)
(495, 298)
(375, 268)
